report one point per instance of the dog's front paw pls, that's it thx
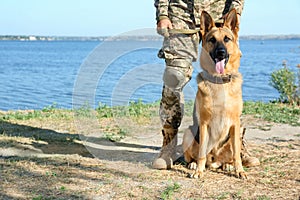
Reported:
(192, 166)
(241, 175)
(197, 174)
(215, 165)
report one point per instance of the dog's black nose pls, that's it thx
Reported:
(220, 53)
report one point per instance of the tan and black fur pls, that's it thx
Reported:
(218, 103)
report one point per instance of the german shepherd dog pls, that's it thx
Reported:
(218, 103)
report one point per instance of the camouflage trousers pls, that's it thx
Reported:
(179, 51)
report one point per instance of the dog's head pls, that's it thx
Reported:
(220, 53)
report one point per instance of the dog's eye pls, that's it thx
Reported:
(212, 40)
(226, 39)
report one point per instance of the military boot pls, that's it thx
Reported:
(168, 151)
(247, 159)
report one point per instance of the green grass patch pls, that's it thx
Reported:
(115, 136)
(40, 197)
(139, 111)
(135, 109)
(84, 111)
(274, 112)
(62, 188)
(169, 191)
(263, 197)
(189, 108)
(48, 112)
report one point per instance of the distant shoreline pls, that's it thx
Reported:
(129, 37)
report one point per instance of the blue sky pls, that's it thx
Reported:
(109, 17)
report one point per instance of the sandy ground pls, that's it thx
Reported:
(48, 160)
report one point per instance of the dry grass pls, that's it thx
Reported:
(45, 159)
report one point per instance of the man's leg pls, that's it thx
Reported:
(179, 51)
(177, 75)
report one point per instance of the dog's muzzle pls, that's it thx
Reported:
(220, 57)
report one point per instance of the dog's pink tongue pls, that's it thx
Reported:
(220, 66)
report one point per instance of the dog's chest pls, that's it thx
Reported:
(224, 110)
(225, 107)
(222, 101)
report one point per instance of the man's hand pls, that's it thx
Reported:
(162, 27)
(164, 23)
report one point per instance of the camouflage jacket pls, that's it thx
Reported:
(190, 10)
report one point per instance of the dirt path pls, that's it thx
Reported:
(43, 161)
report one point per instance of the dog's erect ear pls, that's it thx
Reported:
(206, 23)
(231, 21)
